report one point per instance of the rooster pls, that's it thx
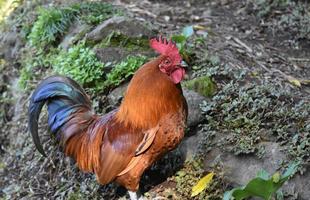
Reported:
(120, 145)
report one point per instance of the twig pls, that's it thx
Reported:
(139, 10)
(299, 59)
(263, 66)
(243, 44)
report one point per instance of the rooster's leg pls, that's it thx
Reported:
(135, 195)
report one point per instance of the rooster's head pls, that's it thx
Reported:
(171, 63)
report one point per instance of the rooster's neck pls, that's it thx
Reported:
(149, 96)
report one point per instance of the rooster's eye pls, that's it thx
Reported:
(167, 62)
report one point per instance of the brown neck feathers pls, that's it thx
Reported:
(149, 96)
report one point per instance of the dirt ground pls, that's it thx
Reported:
(233, 33)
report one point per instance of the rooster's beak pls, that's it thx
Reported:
(184, 64)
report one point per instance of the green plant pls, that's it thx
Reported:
(79, 63)
(124, 70)
(264, 185)
(51, 23)
(34, 60)
(181, 42)
(24, 77)
(265, 7)
(203, 85)
(248, 112)
(95, 12)
(117, 39)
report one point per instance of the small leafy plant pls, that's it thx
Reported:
(24, 77)
(124, 70)
(33, 60)
(79, 63)
(264, 185)
(181, 41)
(248, 112)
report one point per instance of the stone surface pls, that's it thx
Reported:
(189, 145)
(75, 33)
(115, 96)
(193, 101)
(116, 54)
(111, 54)
(10, 45)
(120, 24)
(240, 169)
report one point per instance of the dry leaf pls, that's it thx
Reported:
(305, 82)
(295, 82)
(199, 27)
(276, 177)
(202, 184)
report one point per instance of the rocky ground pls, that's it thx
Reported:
(251, 114)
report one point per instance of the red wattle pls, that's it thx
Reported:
(177, 75)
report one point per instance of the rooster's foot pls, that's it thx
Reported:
(135, 195)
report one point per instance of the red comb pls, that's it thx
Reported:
(167, 48)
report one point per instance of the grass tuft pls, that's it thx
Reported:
(53, 22)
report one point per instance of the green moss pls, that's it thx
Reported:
(75, 196)
(203, 85)
(116, 39)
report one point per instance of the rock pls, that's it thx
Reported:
(117, 54)
(75, 33)
(120, 24)
(189, 145)
(115, 96)
(3, 86)
(111, 54)
(300, 184)
(193, 101)
(239, 170)
(10, 45)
